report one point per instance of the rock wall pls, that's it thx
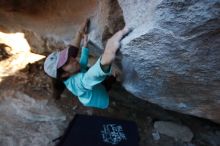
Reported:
(26, 121)
(171, 58)
(47, 25)
(173, 54)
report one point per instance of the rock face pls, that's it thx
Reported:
(47, 25)
(25, 121)
(173, 54)
(176, 131)
(171, 58)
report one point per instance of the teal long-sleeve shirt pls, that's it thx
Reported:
(86, 84)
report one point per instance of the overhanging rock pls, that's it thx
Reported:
(172, 57)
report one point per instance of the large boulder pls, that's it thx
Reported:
(47, 25)
(172, 57)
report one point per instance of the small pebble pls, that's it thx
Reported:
(156, 135)
(75, 107)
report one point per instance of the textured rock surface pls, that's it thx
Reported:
(170, 59)
(26, 121)
(107, 20)
(173, 54)
(47, 25)
(178, 132)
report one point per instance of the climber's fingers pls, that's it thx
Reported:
(85, 40)
(121, 33)
(84, 29)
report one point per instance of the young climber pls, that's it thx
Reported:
(78, 79)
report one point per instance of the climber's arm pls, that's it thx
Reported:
(84, 54)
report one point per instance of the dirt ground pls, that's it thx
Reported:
(33, 81)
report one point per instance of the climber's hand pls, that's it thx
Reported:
(84, 29)
(79, 35)
(85, 41)
(113, 45)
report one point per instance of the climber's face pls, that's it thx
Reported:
(71, 67)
